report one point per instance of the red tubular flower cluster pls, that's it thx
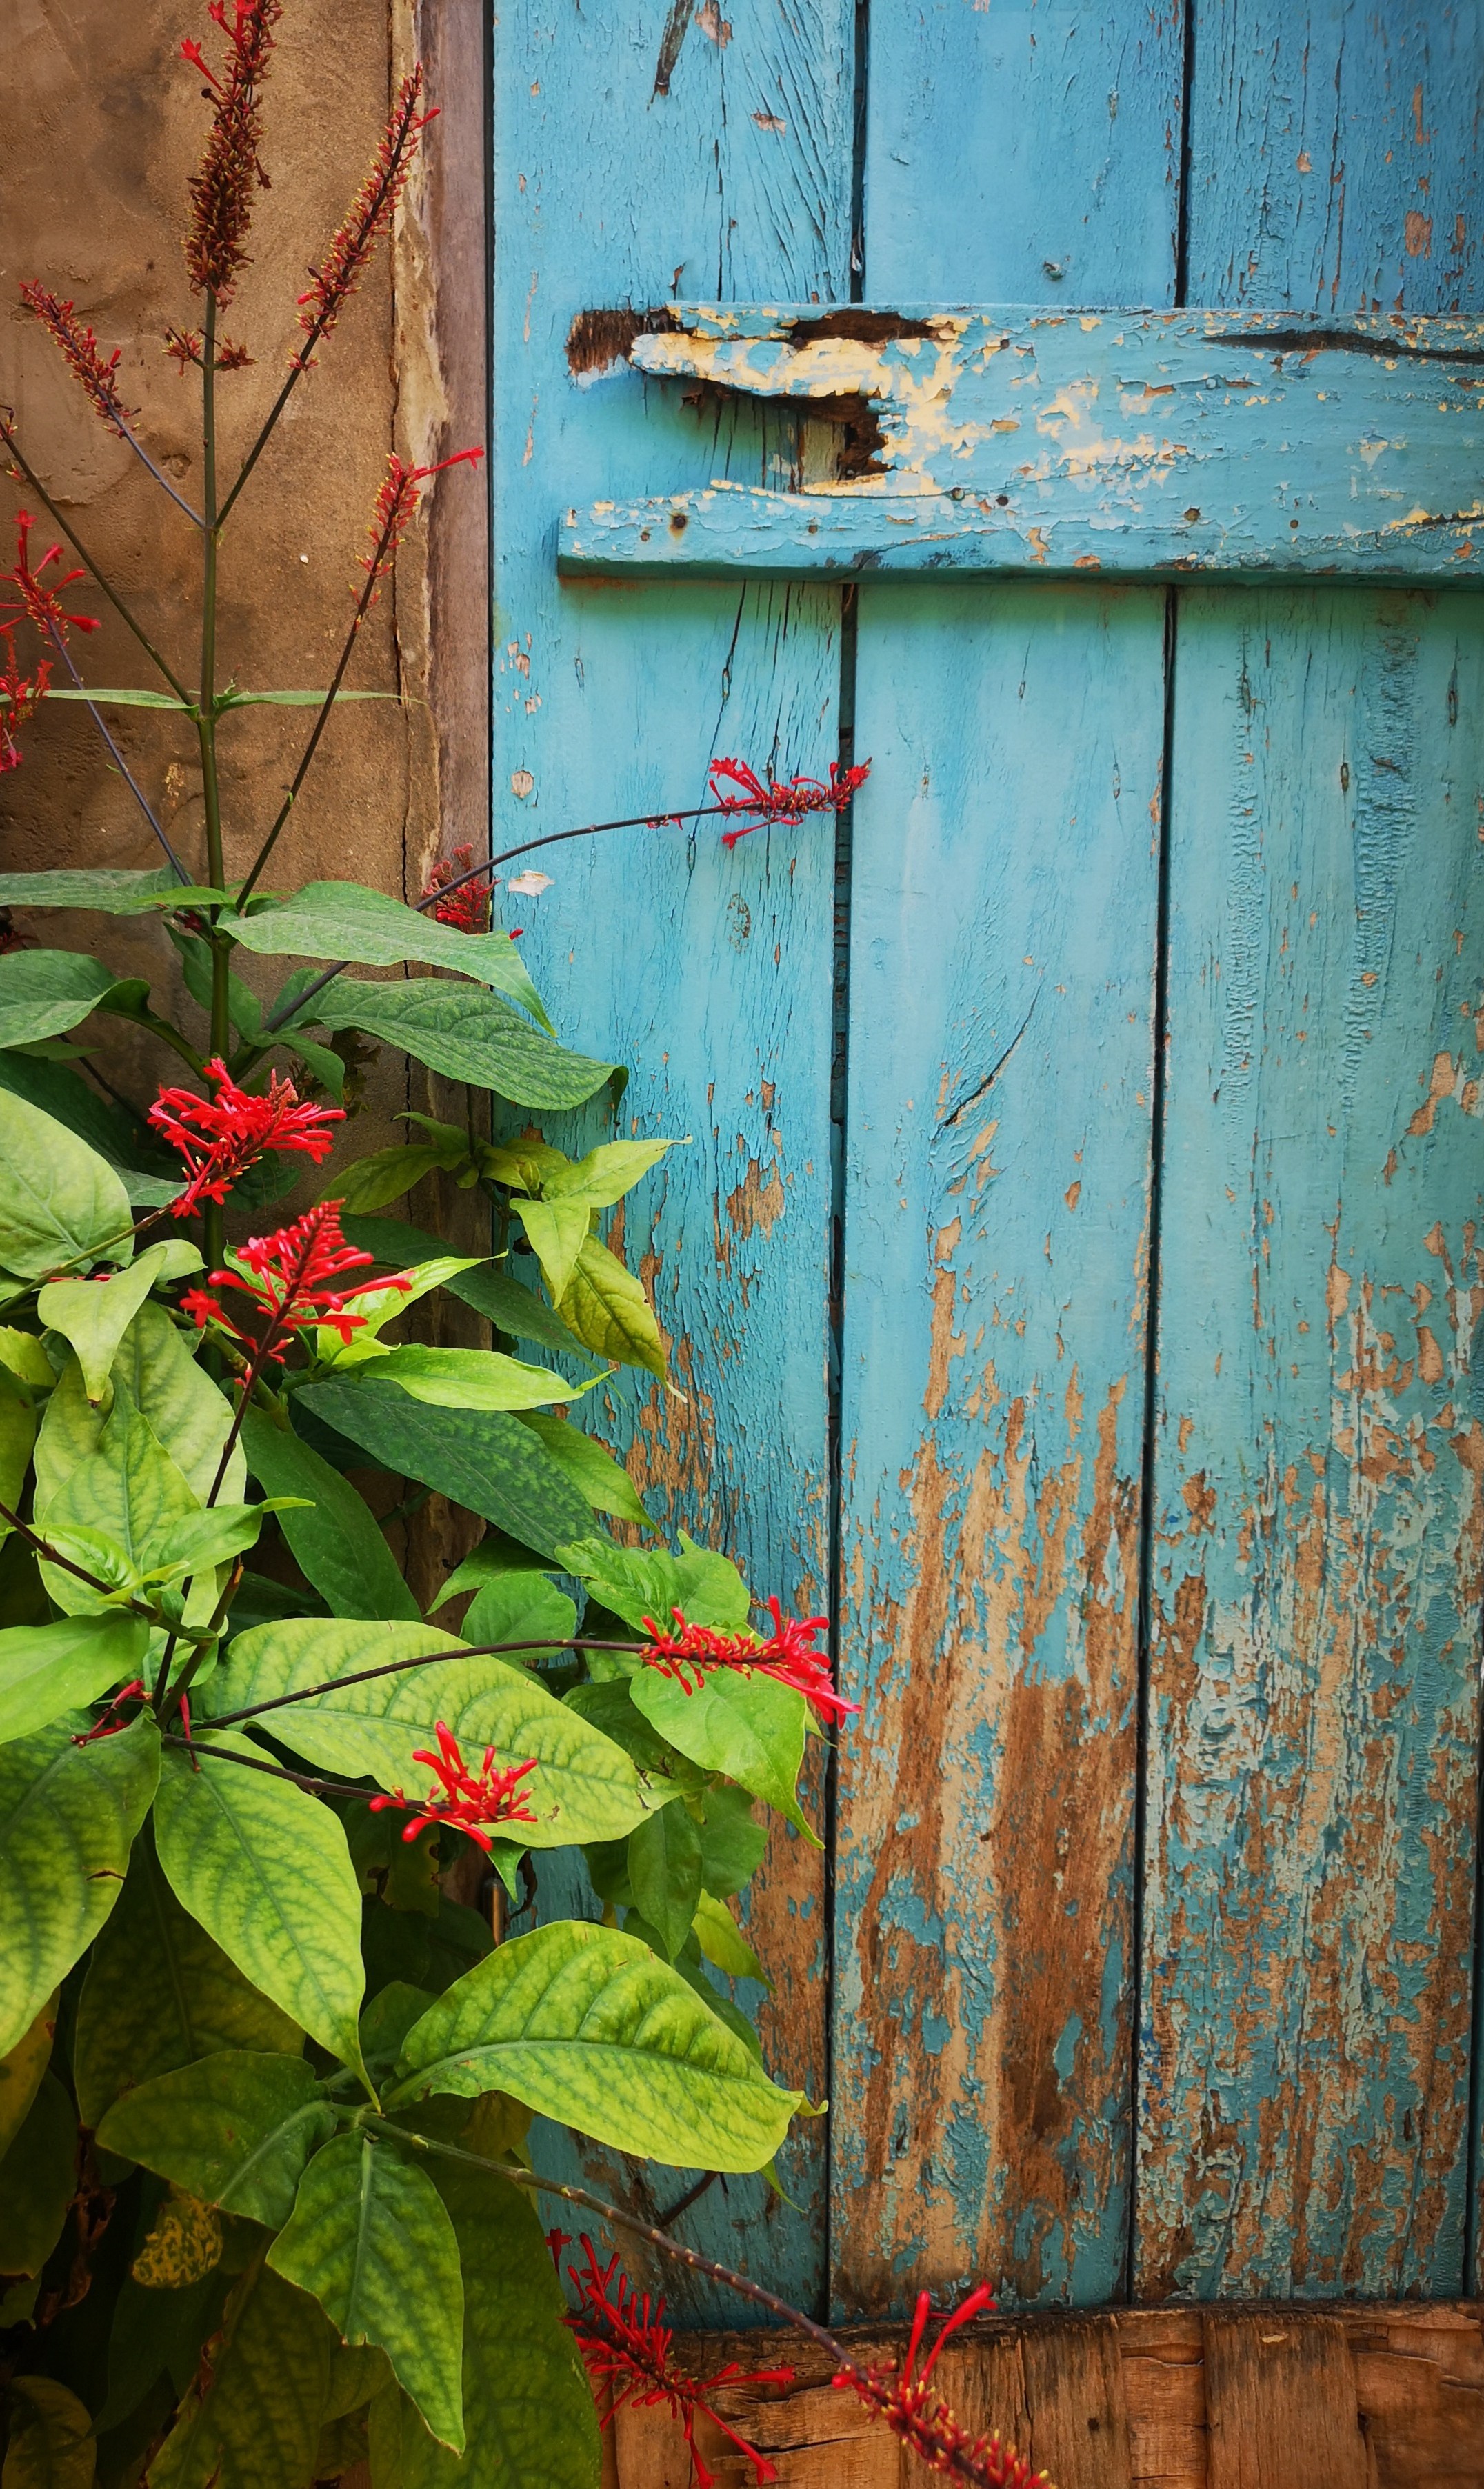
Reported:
(81, 352)
(220, 1138)
(111, 1723)
(230, 168)
(38, 601)
(20, 697)
(287, 1277)
(466, 908)
(471, 1800)
(188, 346)
(784, 801)
(396, 507)
(626, 2345)
(787, 1654)
(369, 217)
(919, 2417)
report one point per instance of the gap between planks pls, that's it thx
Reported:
(1215, 2397)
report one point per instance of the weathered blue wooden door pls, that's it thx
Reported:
(1075, 1270)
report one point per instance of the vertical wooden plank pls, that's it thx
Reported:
(1318, 1463)
(1079, 2417)
(637, 154)
(1004, 895)
(1280, 2401)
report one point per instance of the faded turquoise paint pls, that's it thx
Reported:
(1320, 1476)
(1144, 445)
(627, 158)
(1318, 1469)
(1002, 957)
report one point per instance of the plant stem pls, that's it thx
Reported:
(51, 1554)
(396, 1667)
(213, 1223)
(15, 451)
(310, 1781)
(125, 771)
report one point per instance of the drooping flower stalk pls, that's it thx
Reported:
(785, 801)
(475, 1802)
(691, 1653)
(915, 2412)
(628, 2348)
(221, 1136)
(98, 379)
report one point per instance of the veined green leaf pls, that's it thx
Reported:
(17, 1443)
(21, 2070)
(555, 1232)
(93, 1315)
(494, 1556)
(232, 699)
(159, 1994)
(38, 2179)
(46, 1670)
(591, 1468)
(665, 1874)
(583, 1788)
(67, 1819)
(370, 2238)
(637, 1582)
(378, 1306)
(344, 919)
(265, 1870)
(528, 2406)
(731, 1841)
(751, 1727)
(482, 1458)
(606, 1174)
(43, 994)
(607, 1307)
(156, 1373)
(493, 1293)
(386, 1175)
(235, 2129)
(252, 2419)
(61, 1205)
(130, 1489)
(588, 2026)
(110, 699)
(468, 1034)
(474, 1378)
(52, 2446)
(207, 1539)
(336, 1540)
(722, 1942)
(508, 1606)
(23, 1354)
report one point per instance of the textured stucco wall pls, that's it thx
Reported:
(101, 126)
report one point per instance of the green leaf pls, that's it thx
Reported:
(52, 2446)
(722, 1940)
(252, 2420)
(38, 2180)
(235, 2129)
(17, 1443)
(468, 1034)
(555, 1232)
(61, 1205)
(118, 700)
(131, 1491)
(608, 1705)
(607, 1307)
(508, 1606)
(731, 1842)
(156, 1373)
(584, 1788)
(159, 1994)
(207, 1539)
(378, 1306)
(93, 1314)
(473, 1378)
(157, 2335)
(590, 2027)
(665, 1874)
(58, 1091)
(335, 1542)
(751, 1727)
(23, 1354)
(21, 2070)
(265, 1870)
(386, 1175)
(231, 697)
(46, 1670)
(344, 919)
(68, 1818)
(606, 1174)
(388, 2018)
(638, 1581)
(600, 1479)
(494, 1556)
(502, 1300)
(44, 992)
(528, 2406)
(370, 2238)
(482, 1458)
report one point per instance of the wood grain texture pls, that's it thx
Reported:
(1140, 445)
(1001, 972)
(1299, 2389)
(624, 166)
(1318, 1518)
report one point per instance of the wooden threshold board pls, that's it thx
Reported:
(1234, 2396)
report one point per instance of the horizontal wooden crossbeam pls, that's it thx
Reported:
(1135, 444)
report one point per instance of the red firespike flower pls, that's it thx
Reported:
(368, 218)
(188, 346)
(493, 1797)
(788, 1653)
(110, 1724)
(286, 1278)
(230, 168)
(913, 2412)
(220, 1138)
(20, 697)
(82, 352)
(396, 507)
(626, 2345)
(466, 908)
(36, 599)
(784, 801)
